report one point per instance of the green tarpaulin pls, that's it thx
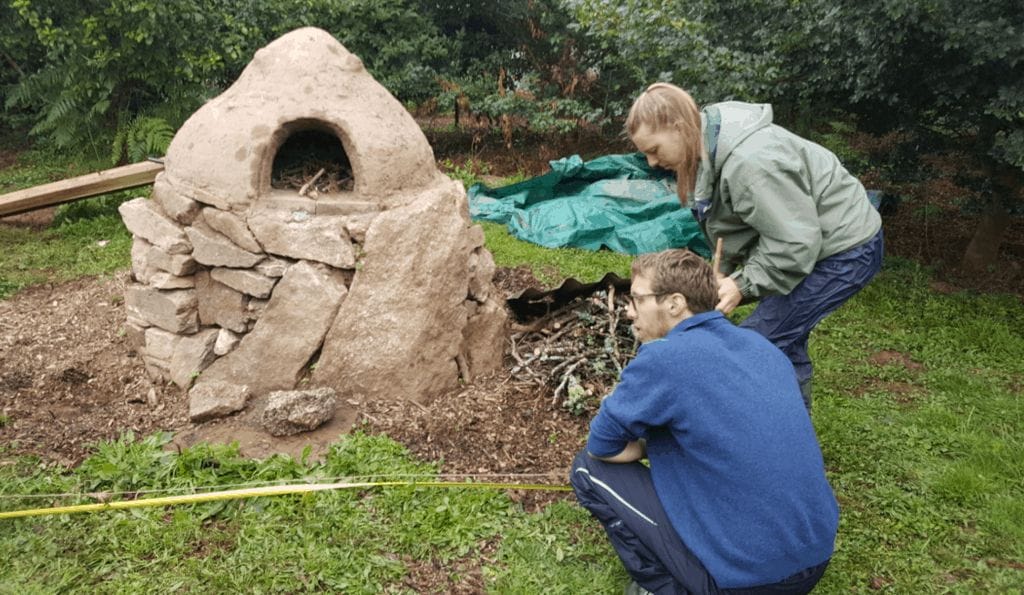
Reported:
(615, 201)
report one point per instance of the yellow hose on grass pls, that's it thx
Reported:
(281, 490)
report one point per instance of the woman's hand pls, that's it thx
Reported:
(729, 295)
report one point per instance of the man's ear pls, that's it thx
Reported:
(677, 304)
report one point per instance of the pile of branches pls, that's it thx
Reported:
(314, 177)
(577, 351)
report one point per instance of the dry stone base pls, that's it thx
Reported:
(288, 333)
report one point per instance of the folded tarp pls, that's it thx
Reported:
(616, 201)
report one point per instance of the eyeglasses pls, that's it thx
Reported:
(633, 297)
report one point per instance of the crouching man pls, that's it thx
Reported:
(735, 499)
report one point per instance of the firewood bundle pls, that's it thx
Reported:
(578, 351)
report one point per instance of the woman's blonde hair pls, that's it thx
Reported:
(664, 105)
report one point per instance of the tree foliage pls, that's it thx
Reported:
(94, 71)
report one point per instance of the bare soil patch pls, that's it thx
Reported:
(68, 379)
(67, 376)
(895, 358)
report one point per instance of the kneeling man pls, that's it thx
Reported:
(735, 498)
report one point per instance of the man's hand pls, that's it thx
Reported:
(634, 451)
(729, 295)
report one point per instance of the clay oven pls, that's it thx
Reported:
(377, 286)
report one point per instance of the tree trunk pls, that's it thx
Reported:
(983, 251)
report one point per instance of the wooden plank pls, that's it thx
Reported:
(55, 193)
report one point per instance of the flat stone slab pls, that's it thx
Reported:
(211, 400)
(144, 219)
(173, 310)
(214, 249)
(300, 235)
(246, 281)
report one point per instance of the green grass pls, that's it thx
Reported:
(86, 238)
(551, 266)
(77, 248)
(352, 541)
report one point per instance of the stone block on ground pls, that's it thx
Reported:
(160, 343)
(211, 400)
(135, 337)
(292, 412)
(156, 368)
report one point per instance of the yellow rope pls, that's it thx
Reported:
(264, 491)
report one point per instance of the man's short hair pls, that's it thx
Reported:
(680, 271)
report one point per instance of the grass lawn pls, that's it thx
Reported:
(918, 409)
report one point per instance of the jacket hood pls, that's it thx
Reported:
(725, 126)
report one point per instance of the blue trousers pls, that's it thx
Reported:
(787, 320)
(621, 496)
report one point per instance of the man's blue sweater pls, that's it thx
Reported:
(733, 454)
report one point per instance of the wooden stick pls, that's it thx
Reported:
(55, 193)
(305, 187)
(716, 262)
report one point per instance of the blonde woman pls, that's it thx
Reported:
(799, 234)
